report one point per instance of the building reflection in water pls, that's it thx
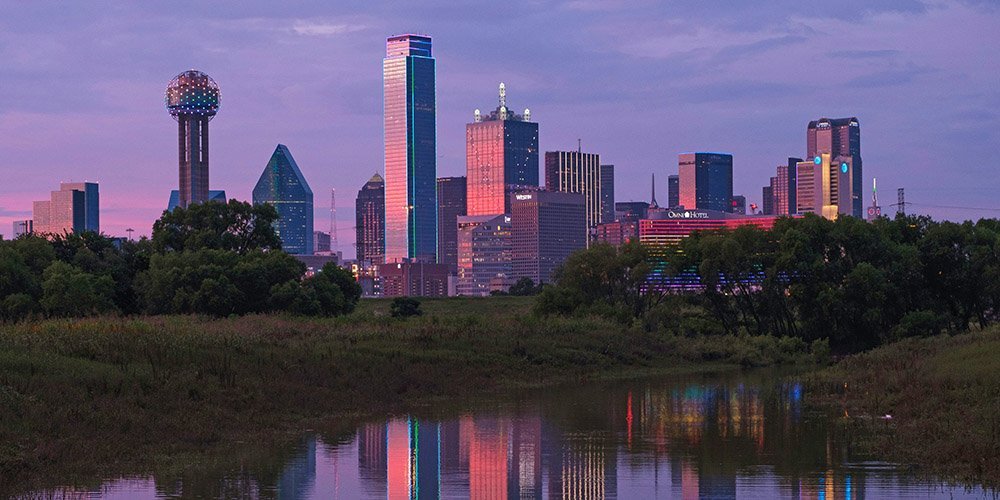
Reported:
(702, 439)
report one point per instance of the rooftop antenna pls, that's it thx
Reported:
(478, 116)
(503, 101)
(652, 202)
(334, 246)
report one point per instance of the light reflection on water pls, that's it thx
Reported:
(699, 438)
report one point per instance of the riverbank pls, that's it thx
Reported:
(84, 398)
(933, 402)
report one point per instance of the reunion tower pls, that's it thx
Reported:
(192, 98)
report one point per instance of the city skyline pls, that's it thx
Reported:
(329, 112)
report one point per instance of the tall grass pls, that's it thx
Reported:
(943, 397)
(79, 395)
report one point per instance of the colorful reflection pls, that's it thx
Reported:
(701, 438)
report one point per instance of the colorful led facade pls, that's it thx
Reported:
(283, 186)
(501, 156)
(410, 149)
(192, 98)
(705, 181)
(369, 223)
(839, 137)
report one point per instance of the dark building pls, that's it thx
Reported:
(192, 98)
(739, 204)
(618, 232)
(451, 192)
(706, 181)
(546, 227)
(413, 279)
(283, 186)
(607, 193)
(840, 137)
(501, 156)
(410, 127)
(577, 172)
(321, 242)
(785, 189)
(673, 191)
(175, 198)
(767, 198)
(631, 210)
(369, 222)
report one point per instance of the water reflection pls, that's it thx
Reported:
(705, 438)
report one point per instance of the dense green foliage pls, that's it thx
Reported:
(84, 393)
(212, 258)
(855, 283)
(404, 307)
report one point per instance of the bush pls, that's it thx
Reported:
(405, 307)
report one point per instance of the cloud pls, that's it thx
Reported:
(318, 28)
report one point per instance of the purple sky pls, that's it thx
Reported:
(638, 81)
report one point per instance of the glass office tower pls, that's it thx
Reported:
(706, 181)
(369, 213)
(283, 186)
(410, 149)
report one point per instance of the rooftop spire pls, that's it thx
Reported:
(652, 202)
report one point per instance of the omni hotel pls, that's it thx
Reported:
(670, 226)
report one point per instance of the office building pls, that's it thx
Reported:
(73, 209)
(631, 210)
(577, 172)
(501, 156)
(369, 222)
(213, 195)
(23, 227)
(283, 186)
(673, 191)
(839, 137)
(192, 99)
(739, 204)
(705, 181)
(767, 198)
(451, 197)
(546, 227)
(484, 254)
(823, 186)
(91, 203)
(607, 193)
(413, 279)
(321, 242)
(410, 149)
(618, 232)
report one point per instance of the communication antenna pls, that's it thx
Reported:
(503, 95)
(901, 203)
(527, 115)
(333, 222)
(130, 231)
(478, 116)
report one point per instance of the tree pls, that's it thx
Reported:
(69, 291)
(524, 287)
(405, 307)
(234, 226)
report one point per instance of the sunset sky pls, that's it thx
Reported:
(81, 91)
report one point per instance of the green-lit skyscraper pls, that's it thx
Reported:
(282, 185)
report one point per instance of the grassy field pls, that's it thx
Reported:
(943, 397)
(84, 398)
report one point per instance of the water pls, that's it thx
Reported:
(705, 437)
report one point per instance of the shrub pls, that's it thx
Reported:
(405, 307)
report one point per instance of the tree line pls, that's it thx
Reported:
(212, 258)
(854, 283)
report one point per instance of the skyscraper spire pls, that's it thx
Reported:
(652, 202)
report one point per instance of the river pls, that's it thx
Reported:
(703, 436)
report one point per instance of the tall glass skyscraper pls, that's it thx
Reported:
(410, 149)
(607, 193)
(369, 213)
(282, 185)
(501, 156)
(577, 172)
(706, 181)
(840, 137)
